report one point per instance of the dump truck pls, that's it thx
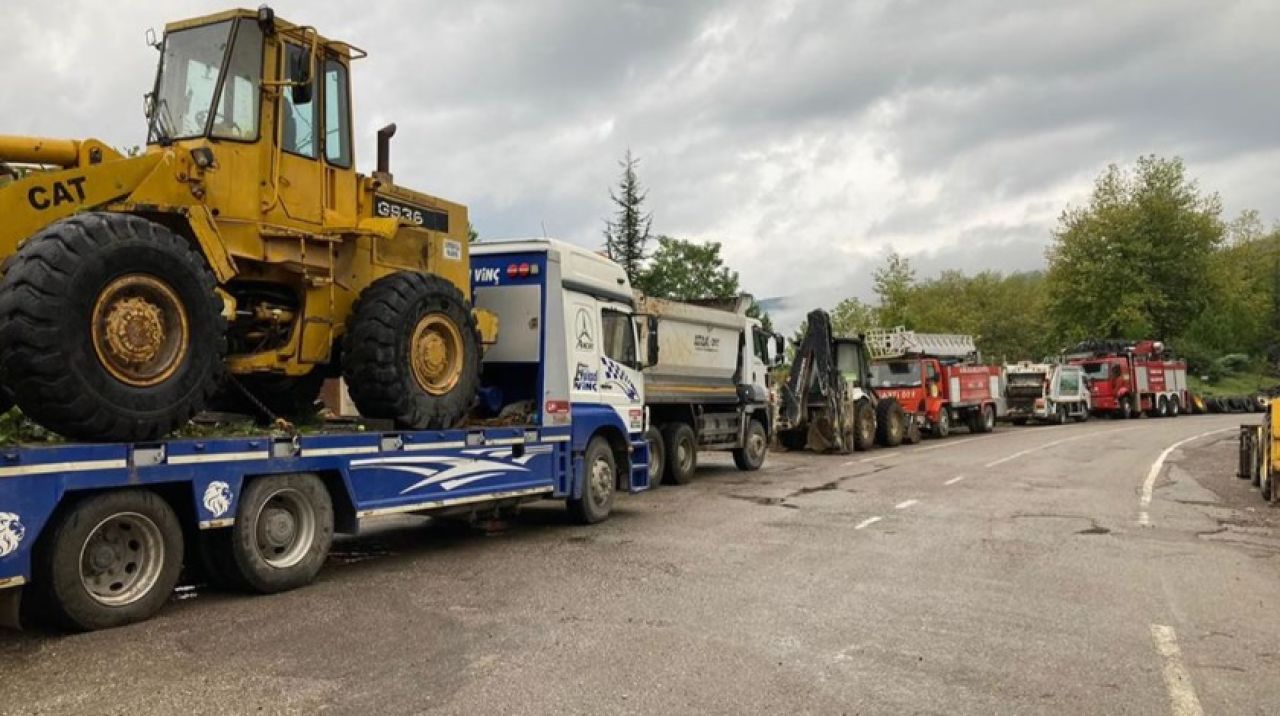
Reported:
(938, 378)
(709, 387)
(829, 404)
(95, 535)
(240, 253)
(1130, 378)
(1045, 392)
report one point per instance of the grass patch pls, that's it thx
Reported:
(1233, 384)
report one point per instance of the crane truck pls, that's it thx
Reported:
(1130, 378)
(94, 535)
(938, 378)
(709, 388)
(240, 242)
(829, 403)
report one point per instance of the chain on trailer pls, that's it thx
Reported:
(892, 343)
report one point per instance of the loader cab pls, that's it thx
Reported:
(852, 361)
(254, 96)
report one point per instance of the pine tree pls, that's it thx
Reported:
(627, 234)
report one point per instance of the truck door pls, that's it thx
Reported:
(932, 379)
(620, 379)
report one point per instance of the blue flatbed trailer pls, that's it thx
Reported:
(102, 512)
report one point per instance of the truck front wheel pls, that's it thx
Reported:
(112, 559)
(941, 427)
(657, 456)
(1125, 409)
(598, 480)
(755, 446)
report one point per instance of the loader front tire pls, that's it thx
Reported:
(110, 328)
(412, 352)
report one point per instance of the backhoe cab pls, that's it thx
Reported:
(242, 241)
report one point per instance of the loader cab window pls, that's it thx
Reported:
(337, 115)
(849, 363)
(619, 337)
(298, 135)
(192, 98)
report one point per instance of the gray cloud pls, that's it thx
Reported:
(811, 137)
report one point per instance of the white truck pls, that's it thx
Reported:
(1046, 392)
(709, 387)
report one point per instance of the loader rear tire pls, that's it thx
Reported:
(891, 423)
(110, 328)
(412, 352)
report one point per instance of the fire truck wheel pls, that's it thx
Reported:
(112, 559)
(891, 423)
(682, 453)
(1162, 407)
(988, 423)
(1125, 410)
(941, 427)
(597, 485)
(657, 456)
(283, 529)
(412, 351)
(864, 426)
(750, 457)
(1175, 407)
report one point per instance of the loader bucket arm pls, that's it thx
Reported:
(91, 175)
(815, 365)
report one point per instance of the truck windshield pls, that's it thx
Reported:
(1096, 370)
(191, 98)
(895, 374)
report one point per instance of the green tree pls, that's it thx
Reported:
(851, 317)
(893, 283)
(685, 270)
(1135, 261)
(472, 234)
(626, 235)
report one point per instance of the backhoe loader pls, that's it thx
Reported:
(240, 246)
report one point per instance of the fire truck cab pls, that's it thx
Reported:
(1127, 379)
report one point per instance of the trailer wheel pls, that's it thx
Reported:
(750, 456)
(682, 453)
(891, 422)
(941, 427)
(657, 457)
(282, 534)
(597, 485)
(1175, 407)
(110, 560)
(864, 425)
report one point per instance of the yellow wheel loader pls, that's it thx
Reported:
(240, 241)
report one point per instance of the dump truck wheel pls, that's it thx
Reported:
(864, 426)
(751, 456)
(282, 534)
(657, 457)
(599, 479)
(412, 352)
(110, 328)
(112, 559)
(682, 453)
(891, 422)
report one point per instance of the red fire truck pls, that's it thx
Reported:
(1129, 378)
(938, 379)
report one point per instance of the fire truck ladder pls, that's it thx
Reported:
(899, 341)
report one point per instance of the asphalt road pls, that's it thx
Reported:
(999, 574)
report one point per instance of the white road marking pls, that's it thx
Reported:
(851, 462)
(868, 522)
(1182, 695)
(905, 504)
(945, 445)
(877, 458)
(1052, 443)
(954, 480)
(1144, 519)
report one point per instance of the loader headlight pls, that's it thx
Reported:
(203, 157)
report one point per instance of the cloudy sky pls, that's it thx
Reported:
(811, 137)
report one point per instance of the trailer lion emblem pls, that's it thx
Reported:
(11, 533)
(217, 498)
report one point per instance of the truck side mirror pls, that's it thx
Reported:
(300, 75)
(780, 346)
(651, 343)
